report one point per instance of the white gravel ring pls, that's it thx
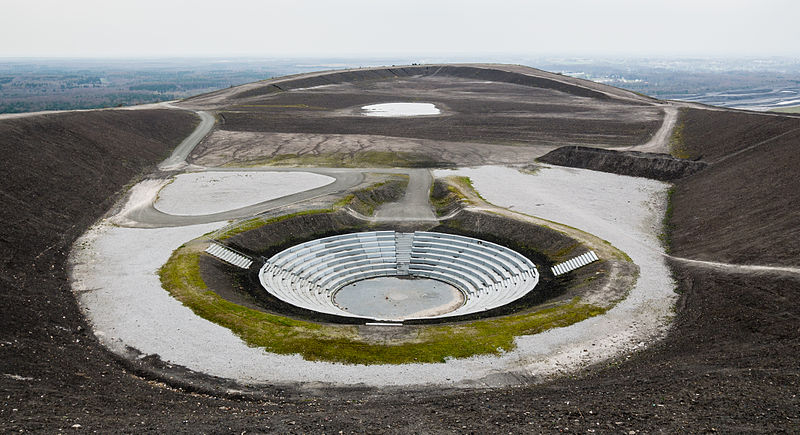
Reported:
(114, 277)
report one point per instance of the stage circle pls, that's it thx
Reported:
(398, 298)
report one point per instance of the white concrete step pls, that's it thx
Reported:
(229, 256)
(403, 242)
(574, 263)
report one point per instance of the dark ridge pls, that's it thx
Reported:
(711, 134)
(743, 208)
(520, 79)
(468, 72)
(632, 163)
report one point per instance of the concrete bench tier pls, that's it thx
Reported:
(522, 262)
(309, 274)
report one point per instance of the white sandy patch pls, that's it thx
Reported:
(114, 276)
(400, 109)
(626, 211)
(202, 193)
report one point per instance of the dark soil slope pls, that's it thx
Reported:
(487, 104)
(58, 174)
(711, 135)
(729, 365)
(464, 72)
(54, 166)
(633, 163)
(743, 208)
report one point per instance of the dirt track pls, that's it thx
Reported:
(730, 363)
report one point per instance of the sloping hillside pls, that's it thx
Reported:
(59, 173)
(730, 363)
(743, 208)
(488, 112)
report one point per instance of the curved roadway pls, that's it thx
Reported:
(178, 158)
(413, 206)
(148, 216)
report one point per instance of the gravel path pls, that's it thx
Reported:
(740, 268)
(178, 158)
(415, 205)
(659, 143)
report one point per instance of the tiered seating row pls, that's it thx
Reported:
(229, 256)
(489, 275)
(574, 263)
(308, 275)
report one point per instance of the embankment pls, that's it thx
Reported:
(633, 163)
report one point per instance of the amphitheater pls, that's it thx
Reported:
(309, 275)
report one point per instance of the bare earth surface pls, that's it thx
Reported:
(246, 147)
(488, 117)
(728, 364)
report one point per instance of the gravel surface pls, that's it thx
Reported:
(201, 193)
(127, 305)
(626, 211)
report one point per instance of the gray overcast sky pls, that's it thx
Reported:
(286, 28)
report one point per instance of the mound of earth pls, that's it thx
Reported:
(742, 207)
(730, 363)
(490, 115)
(633, 163)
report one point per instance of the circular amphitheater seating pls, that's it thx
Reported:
(309, 274)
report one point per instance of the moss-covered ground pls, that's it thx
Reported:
(180, 276)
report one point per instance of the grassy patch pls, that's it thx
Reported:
(343, 201)
(564, 254)
(380, 159)
(466, 181)
(665, 236)
(445, 197)
(364, 201)
(793, 109)
(677, 144)
(256, 222)
(180, 276)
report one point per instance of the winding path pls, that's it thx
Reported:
(178, 158)
(738, 268)
(659, 143)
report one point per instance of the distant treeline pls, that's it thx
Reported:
(108, 100)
